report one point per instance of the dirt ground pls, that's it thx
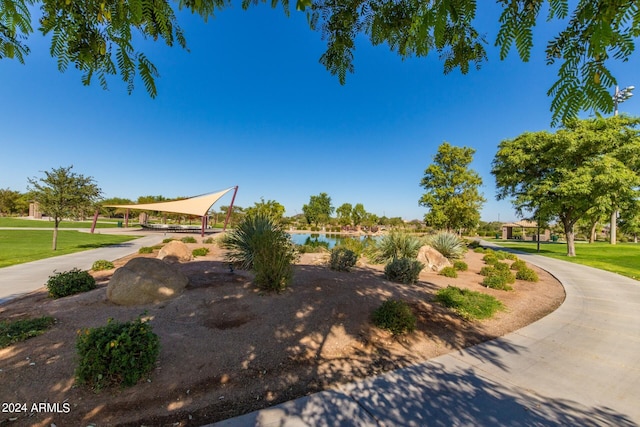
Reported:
(227, 349)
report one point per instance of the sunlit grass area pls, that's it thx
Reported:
(623, 258)
(19, 246)
(33, 223)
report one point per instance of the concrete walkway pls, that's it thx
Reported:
(579, 366)
(21, 279)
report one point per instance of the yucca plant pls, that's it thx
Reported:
(259, 244)
(448, 244)
(395, 245)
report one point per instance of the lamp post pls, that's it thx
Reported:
(618, 98)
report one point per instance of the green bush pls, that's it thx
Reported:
(200, 251)
(259, 244)
(501, 266)
(116, 354)
(342, 259)
(449, 272)
(311, 249)
(354, 245)
(70, 282)
(393, 246)
(474, 244)
(209, 240)
(469, 304)
(518, 265)
(15, 331)
(527, 274)
(188, 239)
(102, 264)
(395, 316)
(167, 240)
(490, 258)
(497, 281)
(511, 256)
(501, 255)
(403, 270)
(448, 244)
(487, 270)
(460, 266)
(145, 250)
(479, 250)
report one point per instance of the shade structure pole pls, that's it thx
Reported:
(226, 221)
(126, 219)
(204, 220)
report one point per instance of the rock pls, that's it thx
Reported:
(145, 281)
(175, 251)
(432, 259)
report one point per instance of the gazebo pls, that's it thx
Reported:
(197, 206)
(507, 231)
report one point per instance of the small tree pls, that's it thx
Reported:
(344, 214)
(62, 193)
(452, 195)
(319, 209)
(270, 208)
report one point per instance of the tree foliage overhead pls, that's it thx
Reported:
(452, 195)
(97, 36)
(589, 164)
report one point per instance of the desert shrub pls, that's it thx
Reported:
(354, 245)
(209, 240)
(259, 244)
(167, 240)
(460, 266)
(395, 316)
(448, 244)
(342, 259)
(145, 250)
(200, 251)
(487, 270)
(403, 270)
(501, 255)
(479, 250)
(15, 331)
(449, 272)
(490, 258)
(310, 249)
(519, 264)
(474, 244)
(497, 281)
(501, 266)
(469, 304)
(510, 256)
(102, 264)
(527, 274)
(70, 282)
(116, 354)
(395, 245)
(188, 239)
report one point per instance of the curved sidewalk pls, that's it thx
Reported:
(21, 279)
(578, 366)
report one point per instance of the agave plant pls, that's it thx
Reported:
(448, 244)
(396, 245)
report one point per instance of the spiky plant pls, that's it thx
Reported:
(448, 244)
(396, 245)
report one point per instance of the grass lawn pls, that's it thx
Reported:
(623, 258)
(20, 222)
(18, 246)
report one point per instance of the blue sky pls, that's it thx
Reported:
(250, 105)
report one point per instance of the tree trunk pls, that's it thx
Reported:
(571, 244)
(613, 227)
(55, 235)
(592, 235)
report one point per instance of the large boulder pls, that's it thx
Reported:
(145, 281)
(432, 259)
(175, 251)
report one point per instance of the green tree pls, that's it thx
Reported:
(62, 193)
(98, 38)
(237, 214)
(589, 163)
(630, 223)
(452, 195)
(113, 212)
(344, 214)
(318, 210)
(9, 201)
(358, 214)
(270, 209)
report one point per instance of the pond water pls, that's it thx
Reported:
(327, 240)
